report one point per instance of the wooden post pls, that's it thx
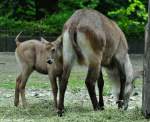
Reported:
(146, 83)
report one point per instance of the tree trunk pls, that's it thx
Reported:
(146, 83)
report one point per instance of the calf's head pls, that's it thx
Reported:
(53, 50)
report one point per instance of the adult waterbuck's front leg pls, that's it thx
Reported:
(121, 68)
(92, 76)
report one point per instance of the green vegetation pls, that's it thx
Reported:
(48, 18)
(43, 110)
(38, 81)
(49, 25)
(74, 113)
(40, 108)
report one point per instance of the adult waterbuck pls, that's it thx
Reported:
(92, 39)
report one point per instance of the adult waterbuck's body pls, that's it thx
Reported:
(93, 40)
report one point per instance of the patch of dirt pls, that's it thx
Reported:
(80, 98)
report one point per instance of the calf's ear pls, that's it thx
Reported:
(60, 41)
(44, 40)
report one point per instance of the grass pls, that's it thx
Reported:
(43, 112)
(42, 109)
(37, 80)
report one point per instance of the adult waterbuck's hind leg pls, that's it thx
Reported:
(68, 60)
(100, 83)
(92, 76)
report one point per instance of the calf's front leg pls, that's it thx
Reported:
(54, 88)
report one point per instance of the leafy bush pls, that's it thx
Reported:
(49, 25)
(131, 19)
(131, 15)
(77, 4)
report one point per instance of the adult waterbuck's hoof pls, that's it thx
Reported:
(125, 105)
(120, 104)
(99, 108)
(60, 113)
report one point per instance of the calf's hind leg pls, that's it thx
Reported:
(18, 80)
(20, 86)
(25, 75)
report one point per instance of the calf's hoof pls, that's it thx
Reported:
(24, 104)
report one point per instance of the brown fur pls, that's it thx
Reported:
(32, 56)
(104, 45)
(102, 34)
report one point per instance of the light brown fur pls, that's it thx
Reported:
(32, 55)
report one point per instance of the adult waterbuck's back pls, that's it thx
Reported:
(93, 40)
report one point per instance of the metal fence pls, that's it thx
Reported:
(7, 38)
(7, 43)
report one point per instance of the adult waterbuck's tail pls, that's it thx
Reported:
(73, 38)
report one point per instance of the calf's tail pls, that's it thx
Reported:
(17, 40)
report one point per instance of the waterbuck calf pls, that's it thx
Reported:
(33, 55)
(92, 39)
